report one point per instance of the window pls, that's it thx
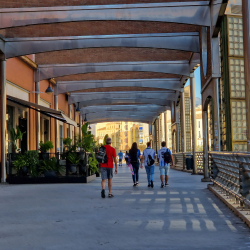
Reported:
(199, 134)
(199, 124)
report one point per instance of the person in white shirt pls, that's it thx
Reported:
(150, 169)
(163, 166)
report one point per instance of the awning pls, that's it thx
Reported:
(44, 110)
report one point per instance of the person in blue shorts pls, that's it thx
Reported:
(120, 154)
(164, 167)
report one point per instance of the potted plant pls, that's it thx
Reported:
(44, 148)
(15, 135)
(32, 159)
(93, 164)
(49, 167)
(20, 164)
(74, 159)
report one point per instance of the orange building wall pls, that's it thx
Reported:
(21, 74)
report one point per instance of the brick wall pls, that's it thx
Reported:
(96, 28)
(97, 55)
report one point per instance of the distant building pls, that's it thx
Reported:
(123, 134)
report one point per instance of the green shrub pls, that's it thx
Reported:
(44, 147)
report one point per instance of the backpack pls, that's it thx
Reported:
(102, 155)
(150, 160)
(167, 156)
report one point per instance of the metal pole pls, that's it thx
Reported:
(205, 147)
(218, 113)
(193, 120)
(69, 113)
(246, 41)
(3, 119)
(165, 128)
(57, 139)
(183, 124)
(38, 139)
(177, 139)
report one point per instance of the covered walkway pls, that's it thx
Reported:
(184, 215)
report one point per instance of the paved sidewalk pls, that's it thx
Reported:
(183, 216)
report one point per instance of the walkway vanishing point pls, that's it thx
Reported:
(183, 216)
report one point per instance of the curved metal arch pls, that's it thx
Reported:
(138, 114)
(119, 119)
(125, 101)
(161, 83)
(196, 13)
(167, 67)
(89, 96)
(131, 108)
(186, 41)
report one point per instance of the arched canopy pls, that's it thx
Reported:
(186, 41)
(196, 13)
(124, 108)
(125, 118)
(167, 67)
(160, 95)
(125, 101)
(161, 83)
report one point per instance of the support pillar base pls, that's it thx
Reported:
(206, 180)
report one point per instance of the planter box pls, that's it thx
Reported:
(48, 180)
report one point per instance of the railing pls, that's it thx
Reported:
(180, 161)
(231, 173)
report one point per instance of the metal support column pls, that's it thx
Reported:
(69, 114)
(57, 136)
(3, 119)
(183, 124)
(193, 121)
(205, 147)
(217, 140)
(38, 117)
(165, 128)
(246, 41)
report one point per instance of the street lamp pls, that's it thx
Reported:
(78, 108)
(49, 90)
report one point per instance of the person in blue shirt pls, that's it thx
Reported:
(164, 167)
(120, 158)
(149, 169)
(134, 156)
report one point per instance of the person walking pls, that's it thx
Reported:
(148, 159)
(165, 158)
(120, 154)
(107, 168)
(126, 157)
(134, 156)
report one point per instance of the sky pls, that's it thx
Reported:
(197, 77)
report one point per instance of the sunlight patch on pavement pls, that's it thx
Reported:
(178, 225)
(210, 225)
(155, 225)
(196, 225)
(145, 200)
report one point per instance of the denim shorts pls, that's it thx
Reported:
(106, 173)
(165, 170)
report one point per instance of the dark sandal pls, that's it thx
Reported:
(103, 193)
(111, 195)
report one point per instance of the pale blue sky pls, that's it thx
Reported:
(197, 76)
